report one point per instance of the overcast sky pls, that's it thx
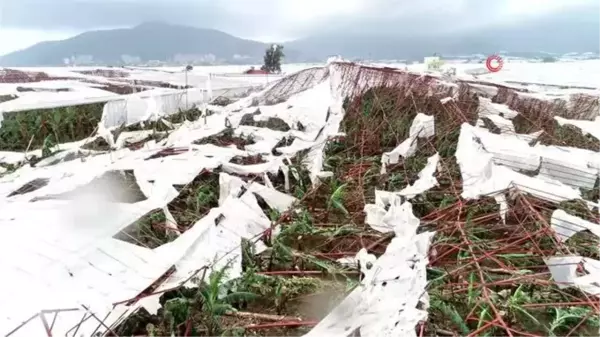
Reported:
(26, 22)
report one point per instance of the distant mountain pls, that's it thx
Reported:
(568, 31)
(146, 42)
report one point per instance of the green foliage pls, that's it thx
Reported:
(301, 176)
(336, 200)
(58, 125)
(203, 306)
(176, 312)
(272, 59)
(453, 315)
(213, 305)
(47, 148)
(277, 289)
(563, 319)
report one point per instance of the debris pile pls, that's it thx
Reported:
(403, 204)
(18, 76)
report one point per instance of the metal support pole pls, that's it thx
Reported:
(186, 90)
(46, 325)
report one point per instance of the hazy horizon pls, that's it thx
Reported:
(27, 22)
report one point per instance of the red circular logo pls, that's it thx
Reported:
(494, 66)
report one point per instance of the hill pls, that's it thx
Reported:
(575, 30)
(148, 41)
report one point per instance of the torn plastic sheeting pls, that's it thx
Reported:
(308, 107)
(564, 273)
(488, 109)
(83, 270)
(28, 303)
(300, 81)
(297, 146)
(264, 139)
(134, 137)
(72, 173)
(61, 156)
(314, 163)
(177, 169)
(273, 165)
(231, 185)
(192, 243)
(563, 269)
(79, 227)
(507, 150)
(64, 177)
(571, 166)
(315, 155)
(76, 224)
(217, 243)
(376, 212)
(566, 225)
(385, 303)
(144, 106)
(213, 151)
(208, 241)
(501, 201)
(515, 160)
(581, 157)
(116, 270)
(71, 320)
(10, 157)
(529, 138)
(482, 177)
(68, 176)
(362, 258)
(170, 222)
(406, 149)
(120, 215)
(275, 199)
(426, 179)
(189, 132)
(422, 127)
(384, 219)
(572, 175)
(561, 164)
(506, 126)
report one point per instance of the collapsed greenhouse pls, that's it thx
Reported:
(419, 204)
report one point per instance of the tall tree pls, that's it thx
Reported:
(272, 59)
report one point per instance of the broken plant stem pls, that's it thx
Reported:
(266, 317)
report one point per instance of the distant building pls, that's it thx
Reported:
(81, 60)
(433, 63)
(130, 59)
(194, 58)
(239, 57)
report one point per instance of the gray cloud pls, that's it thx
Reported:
(279, 18)
(74, 14)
